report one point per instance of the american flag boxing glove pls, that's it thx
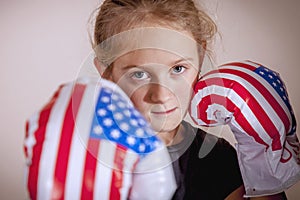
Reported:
(253, 101)
(89, 142)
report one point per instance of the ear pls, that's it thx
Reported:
(104, 71)
(202, 53)
(99, 66)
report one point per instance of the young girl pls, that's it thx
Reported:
(154, 49)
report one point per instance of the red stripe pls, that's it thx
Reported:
(26, 136)
(117, 173)
(255, 63)
(231, 107)
(65, 143)
(207, 74)
(90, 169)
(293, 144)
(203, 106)
(286, 151)
(254, 106)
(38, 147)
(264, 92)
(132, 169)
(233, 64)
(239, 64)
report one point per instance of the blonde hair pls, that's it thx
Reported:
(116, 16)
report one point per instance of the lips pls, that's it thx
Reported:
(164, 112)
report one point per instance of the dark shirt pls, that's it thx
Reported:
(211, 173)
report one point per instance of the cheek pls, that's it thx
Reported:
(137, 97)
(184, 91)
(184, 98)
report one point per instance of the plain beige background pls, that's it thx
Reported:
(44, 43)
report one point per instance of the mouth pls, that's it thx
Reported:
(165, 112)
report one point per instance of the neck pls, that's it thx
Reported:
(171, 137)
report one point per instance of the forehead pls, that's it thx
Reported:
(151, 56)
(179, 43)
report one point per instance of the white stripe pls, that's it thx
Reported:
(267, 86)
(105, 164)
(242, 62)
(239, 102)
(29, 142)
(277, 122)
(252, 64)
(51, 143)
(236, 128)
(129, 161)
(79, 144)
(194, 106)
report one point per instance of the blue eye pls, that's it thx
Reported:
(139, 75)
(178, 69)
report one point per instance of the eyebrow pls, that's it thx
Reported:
(190, 60)
(127, 67)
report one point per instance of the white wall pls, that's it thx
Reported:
(43, 43)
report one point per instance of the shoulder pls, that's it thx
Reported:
(215, 153)
(209, 145)
(212, 164)
(206, 144)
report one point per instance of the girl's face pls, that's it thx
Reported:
(159, 83)
(158, 74)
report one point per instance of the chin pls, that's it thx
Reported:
(166, 125)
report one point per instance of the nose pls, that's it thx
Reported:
(159, 94)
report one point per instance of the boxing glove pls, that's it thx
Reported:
(89, 142)
(253, 101)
